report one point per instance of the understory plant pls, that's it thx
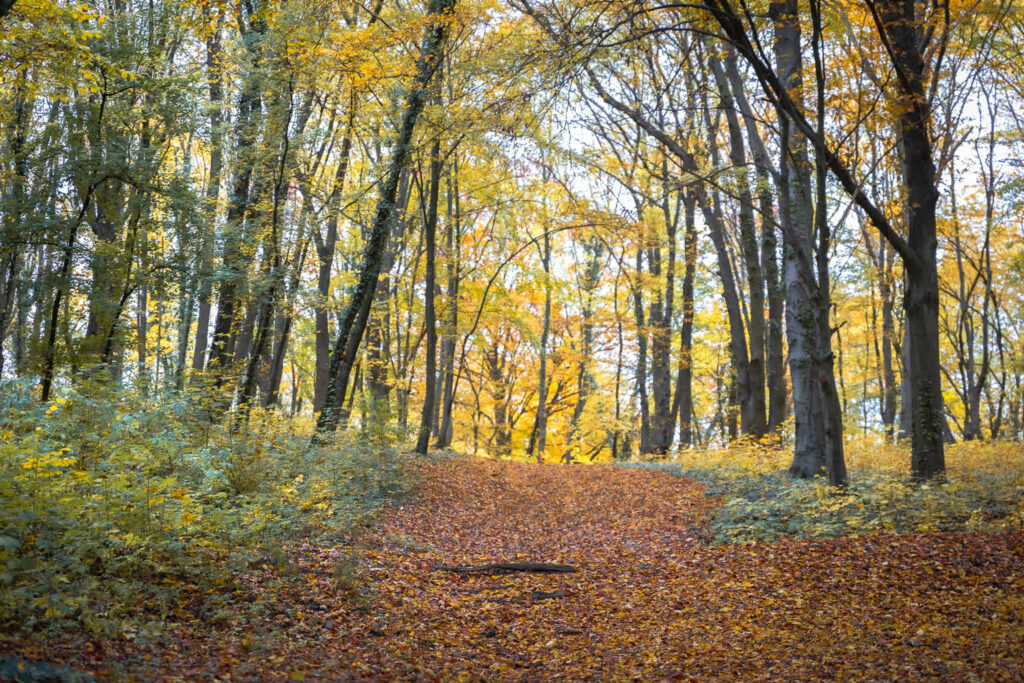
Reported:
(983, 490)
(118, 508)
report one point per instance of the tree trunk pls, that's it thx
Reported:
(755, 396)
(684, 385)
(775, 373)
(662, 311)
(214, 81)
(452, 249)
(325, 248)
(641, 356)
(233, 266)
(430, 280)
(357, 309)
(816, 409)
(541, 424)
(923, 381)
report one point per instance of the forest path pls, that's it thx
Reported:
(651, 600)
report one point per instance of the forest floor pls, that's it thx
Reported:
(650, 599)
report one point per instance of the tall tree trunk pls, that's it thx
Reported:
(325, 247)
(641, 356)
(250, 106)
(216, 96)
(684, 383)
(261, 358)
(730, 293)
(285, 328)
(662, 312)
(430, 280)
(888, 339)
(357, 309)
(13, 208)
(541, 426)
(923, 381)
(751, 258)
(818, 432)
(452, 259)
(774, 364)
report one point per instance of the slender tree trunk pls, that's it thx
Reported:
(662, 312)
(755, 395)
(452, 249)
(923, 379)
(730, 294)
(641, 357)
(284, 333)
(357, 310)
(684, 385)
(233, 264)
(888, 339)
(775, 373)
(215, 87)
(818, 417)
(13, 209)
(541, 425)
(430, 280)
(325, 248)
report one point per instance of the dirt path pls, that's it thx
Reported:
(650, 599)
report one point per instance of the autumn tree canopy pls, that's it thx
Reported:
(565, 231)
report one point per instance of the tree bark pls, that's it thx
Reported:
(541, 426)
(684, 384)
(233, 264)
(452, 259)
(325, 247)
(215, 88)
(751, 258)
(896, 22)
(357, 309)
(803, 302)
(662, 312)
(430, 279)
(775, 373)
(641, 356)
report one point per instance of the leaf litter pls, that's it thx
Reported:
(649, 599)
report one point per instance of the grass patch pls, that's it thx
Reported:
(983, 490)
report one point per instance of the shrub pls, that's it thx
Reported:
(116, 508)
(983, 490)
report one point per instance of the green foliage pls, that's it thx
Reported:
(765, 504)
(22, 671)
(116, 509)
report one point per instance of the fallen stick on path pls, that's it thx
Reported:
(539, 567)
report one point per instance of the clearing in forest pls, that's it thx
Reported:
(648, 599)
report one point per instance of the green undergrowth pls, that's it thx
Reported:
(118, 511)
(983, 491)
